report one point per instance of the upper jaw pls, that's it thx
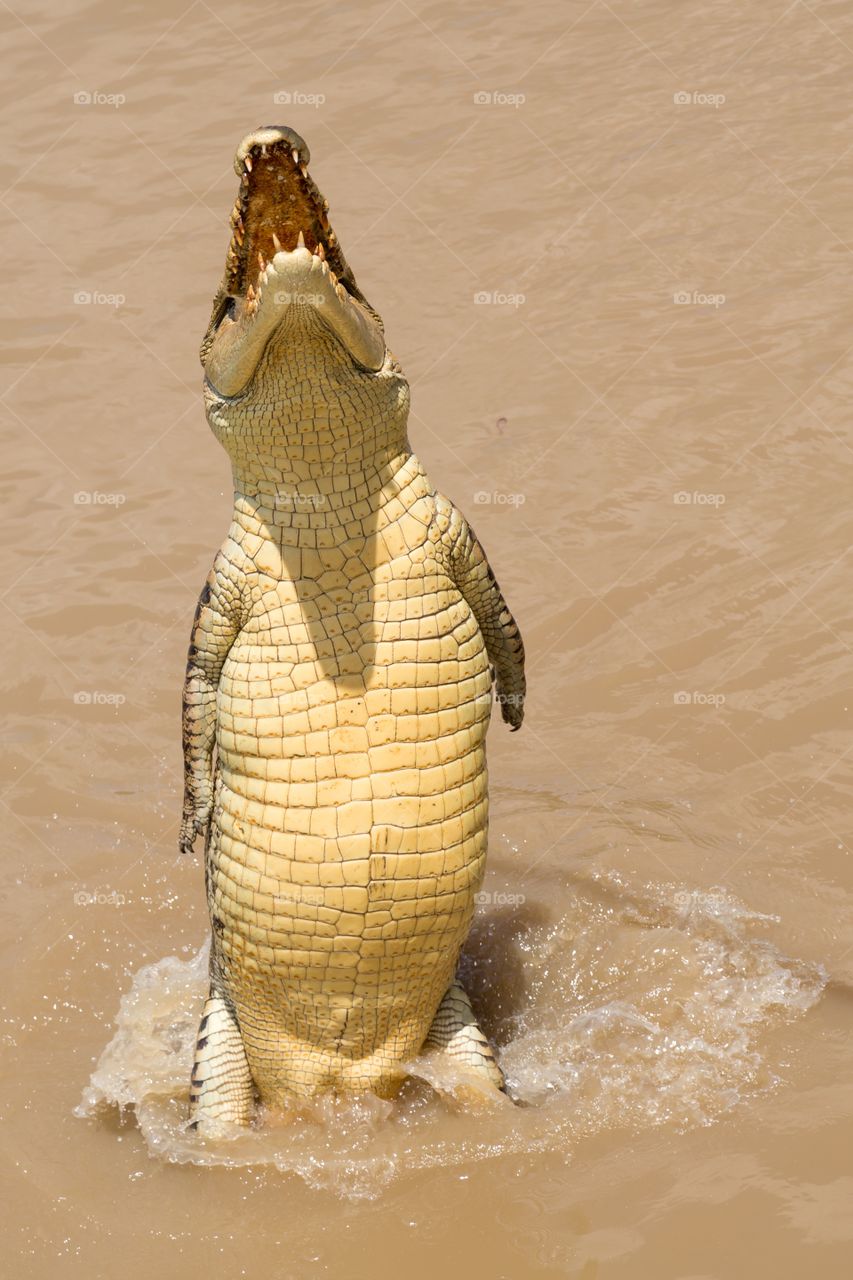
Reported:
(283, 255)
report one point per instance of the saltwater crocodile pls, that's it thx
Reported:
(338, 688)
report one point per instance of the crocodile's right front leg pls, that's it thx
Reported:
(215, 628)
(221, 1090)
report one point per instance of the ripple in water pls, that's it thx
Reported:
(638, 1007)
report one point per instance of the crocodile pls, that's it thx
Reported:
(346, 650)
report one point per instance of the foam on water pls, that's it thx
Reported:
(638, 1007)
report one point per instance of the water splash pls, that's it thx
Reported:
(640, 1006)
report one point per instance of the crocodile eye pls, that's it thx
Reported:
(227, 307)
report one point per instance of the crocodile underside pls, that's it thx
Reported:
(339, 686)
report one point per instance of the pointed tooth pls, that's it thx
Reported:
(276, 242)
(250, 293)
(303, 170)
(300, 243)
(321, 252)
(248, 163)
(295, 155)
(264, 150)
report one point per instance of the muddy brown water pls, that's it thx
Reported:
(611, 244)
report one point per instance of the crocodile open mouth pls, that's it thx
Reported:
(278, 207)
(283, 261)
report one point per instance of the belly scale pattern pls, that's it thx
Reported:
(351, 801)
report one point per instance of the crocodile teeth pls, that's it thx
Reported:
(300, 243)
(276, 242)
(261, 262)
(295, 155)
(303, 170)
(250, 293)
(321, 252)
(248, 163)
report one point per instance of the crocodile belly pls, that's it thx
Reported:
(349, 838)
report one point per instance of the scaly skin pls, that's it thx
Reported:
(338, 687)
